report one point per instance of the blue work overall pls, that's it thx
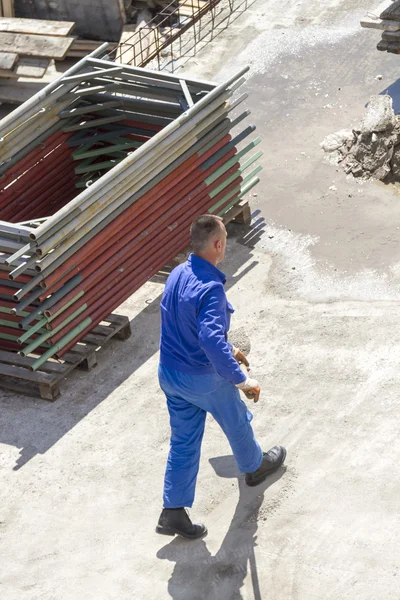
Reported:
(189, 398)
(197, 374)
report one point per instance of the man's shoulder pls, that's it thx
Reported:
(188, 280)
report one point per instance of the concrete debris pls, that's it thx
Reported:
(334, 141)
(380, 115)
(371, 150)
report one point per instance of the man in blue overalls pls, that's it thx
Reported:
(199, 372)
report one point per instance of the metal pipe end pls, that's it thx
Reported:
(38, 268)
(39, 252)
(20, 326)
(32, 236)
(11, 277)
(13, 311)
(16, 299)
(47, 314)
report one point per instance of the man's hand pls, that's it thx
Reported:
(240, 357)
(251, 388)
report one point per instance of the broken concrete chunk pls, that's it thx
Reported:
(395, 163)
(369, 151)
(380, 115)
(334, 141)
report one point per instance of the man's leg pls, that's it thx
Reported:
(233, 416)
(187, 429)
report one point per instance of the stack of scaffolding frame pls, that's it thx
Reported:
(102, 173)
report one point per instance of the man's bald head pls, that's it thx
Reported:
(204, 230)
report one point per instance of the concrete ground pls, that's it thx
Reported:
(316, 285)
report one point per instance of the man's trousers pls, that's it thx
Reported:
(189, 398)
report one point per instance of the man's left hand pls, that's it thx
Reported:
(240, 357)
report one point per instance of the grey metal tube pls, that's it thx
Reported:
(127, 163)
(24, 251)
(52, 300)
(157, 74)
(111, 194)
(15, 229)
(108, 203)
(45, 336)
(14, 143)
(204, 144)
(18, 310)
(78, 240)
(5, 165)
(91, 74)
(19, 115)
(142, 79)
(22, 267)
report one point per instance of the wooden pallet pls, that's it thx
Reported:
(16, 376)
(240, 213)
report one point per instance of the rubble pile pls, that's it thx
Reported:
(373, 149)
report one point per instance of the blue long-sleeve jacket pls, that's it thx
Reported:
(195, 320)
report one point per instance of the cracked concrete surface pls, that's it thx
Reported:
(316, 285)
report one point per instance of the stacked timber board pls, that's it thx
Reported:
(102, 174)
(94, 19)
(386, 18)
(28, 47)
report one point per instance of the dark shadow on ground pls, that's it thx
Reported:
(33, 425)
(197, 574)
(394, 91)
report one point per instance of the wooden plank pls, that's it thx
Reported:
(35, 45)
(101, 330)
(7, 60)
(15, 373)
(44, 390)
(7, 74)
(8, 8)
(17, 93)
(36, 26)
(244, 216)
(235, 211)
(28, 66)
(12, 358)
(116, 319)
(22, 373)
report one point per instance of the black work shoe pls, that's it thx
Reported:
(176, 521)
(271, 462)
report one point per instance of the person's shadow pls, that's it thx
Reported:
(197, 574)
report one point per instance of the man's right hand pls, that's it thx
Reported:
(251, 388)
